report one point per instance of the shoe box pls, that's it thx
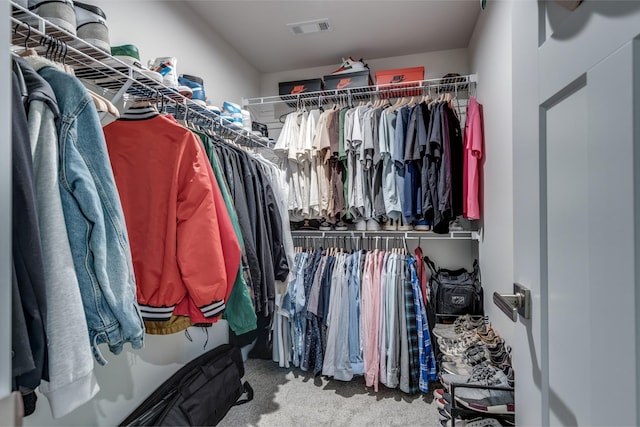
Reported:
(298, 88)
(347, 80)
(396, 80)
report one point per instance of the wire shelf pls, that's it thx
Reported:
(98, 68)
(459, 85)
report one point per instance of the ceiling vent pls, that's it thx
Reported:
(308, 27)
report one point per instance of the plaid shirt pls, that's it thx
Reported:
(427, 359)
(412, 332)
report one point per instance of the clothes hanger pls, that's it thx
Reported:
(27, 50)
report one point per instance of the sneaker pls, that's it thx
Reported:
(92, 25)
(58, 12)
(350, 65)
(325, 226)
(422, 225)
(455, 226)
(196, 84)
(361, 224)
(460, 325)
(231, 108)
(484, 399)
(480, 375)
(130, 55)
(403, 226)
(391, 225)
(166, 66)
(475, 422)
(373, 225)
(457, 347)
(341, 226)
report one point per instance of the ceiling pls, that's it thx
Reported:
(361, 29)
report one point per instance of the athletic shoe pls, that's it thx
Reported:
(341, 226)
(422, 225)
(130, 55)
(92, 25)
(462, 324)
(373, 225)
(475, 422)
(481, 374)
(391, 225)
(58, 12)
(360, 224)
(403, 226)
(455, 226)
(196, 84)
(231, 108)
(483, 399)
(167, 67)
(350, 65)
(458, 346)
(441, 403)
(487, 400)
(325, 226)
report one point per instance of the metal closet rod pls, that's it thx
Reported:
(88, 60)
(401, 89)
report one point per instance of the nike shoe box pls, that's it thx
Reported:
(297, 89)
(347, 80)
(396, 79)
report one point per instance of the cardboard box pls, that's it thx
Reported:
(347, 80)
(396, 79)
(297, 89)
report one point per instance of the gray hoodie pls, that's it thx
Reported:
(71, 378)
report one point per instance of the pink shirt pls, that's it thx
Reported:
(472, 156)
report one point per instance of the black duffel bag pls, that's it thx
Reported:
(454, 292)
(198, 394)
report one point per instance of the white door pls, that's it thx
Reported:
(576, 100)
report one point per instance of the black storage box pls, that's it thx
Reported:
(347, 80)
(297, 89)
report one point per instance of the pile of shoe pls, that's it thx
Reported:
(86, 21)
(472, 353)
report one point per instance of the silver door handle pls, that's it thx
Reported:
(513, 304)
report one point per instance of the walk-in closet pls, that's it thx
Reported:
(256, 213)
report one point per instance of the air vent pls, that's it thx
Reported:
(308, 27)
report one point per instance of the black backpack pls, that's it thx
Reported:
(198, 394)
(454, 292)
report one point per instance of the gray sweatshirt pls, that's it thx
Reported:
(71, 378)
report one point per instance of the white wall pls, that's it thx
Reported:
(158, 29)
(490, 58)
(436, 64)
(169, 28)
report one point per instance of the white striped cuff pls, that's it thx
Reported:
(213, 309)
(156, 314)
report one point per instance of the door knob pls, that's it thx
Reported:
(513, 304)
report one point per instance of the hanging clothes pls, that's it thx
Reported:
(94, 218)
(360, 313)
(170, 203)
(373, 163)
(71, 380)
(473, 153)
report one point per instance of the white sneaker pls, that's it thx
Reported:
(167, 67)
(350, 65)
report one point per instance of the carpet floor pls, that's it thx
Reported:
(291, 397)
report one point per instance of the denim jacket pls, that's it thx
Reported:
(94, 219)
